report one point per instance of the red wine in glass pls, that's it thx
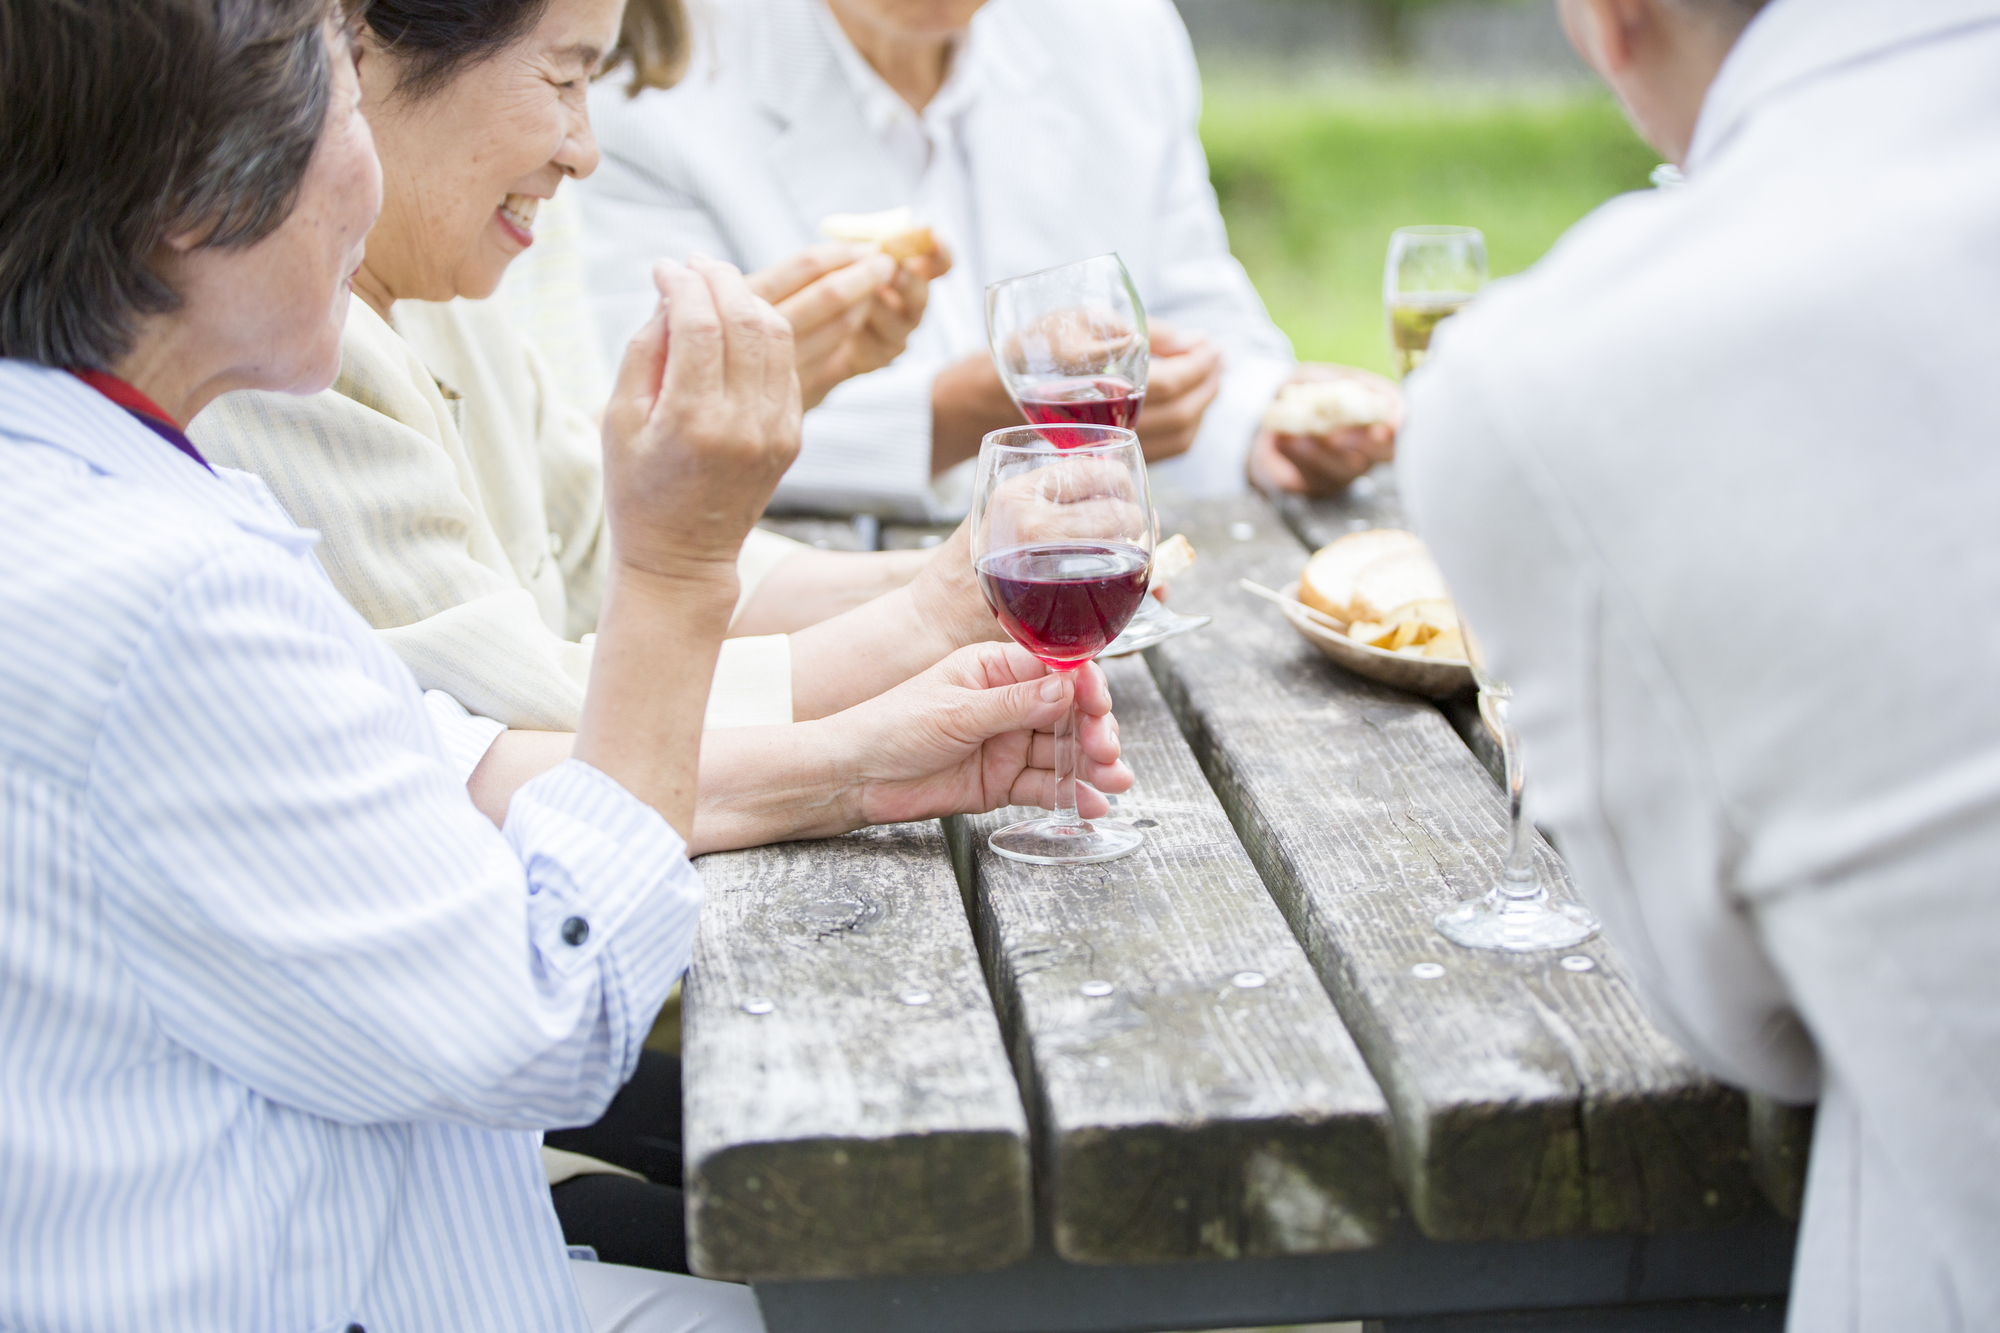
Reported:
(1064, 601)
(1085, 400)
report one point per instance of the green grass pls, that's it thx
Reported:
(1313, 178)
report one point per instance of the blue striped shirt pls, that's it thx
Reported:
(280, 1012)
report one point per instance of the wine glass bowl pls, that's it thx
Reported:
(1070, 343)
(1432, 273)
(1062, 544)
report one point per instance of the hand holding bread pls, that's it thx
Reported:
(852, 307)
(1324, 429)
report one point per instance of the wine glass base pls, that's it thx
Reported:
(1517, 926)
(1044, 842)
(1144, 631)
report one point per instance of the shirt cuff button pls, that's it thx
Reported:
(575, 931)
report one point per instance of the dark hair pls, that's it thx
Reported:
(435, 39)
(124, 122)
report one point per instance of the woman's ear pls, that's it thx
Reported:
(374, 66)
(1603, 31)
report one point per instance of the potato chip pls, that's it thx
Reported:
(1448, 644)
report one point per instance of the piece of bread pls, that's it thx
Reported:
(894, 232)
(1171, 559)
(1321, 407)
(1395, 580)
(1327, 585)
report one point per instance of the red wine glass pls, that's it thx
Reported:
(1062, 542)
(1070, 343)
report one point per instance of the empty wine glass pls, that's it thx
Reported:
(1516, 914)
(1070, 344)
(1062, 542)
(1432, 273)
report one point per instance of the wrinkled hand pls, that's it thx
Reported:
(1325, 464)
(948, 595)
(852, 309)
(703, 421)
(977, 732)
(1183, 379)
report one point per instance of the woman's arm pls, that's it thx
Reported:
(811, 586)
(972, 734)
(855, 656)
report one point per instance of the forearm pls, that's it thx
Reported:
(814, 586)
(657, 642)
(757, 784)
(772, 784)
(854, 657)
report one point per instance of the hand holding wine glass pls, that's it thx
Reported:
(1062, 542)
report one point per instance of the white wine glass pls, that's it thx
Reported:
(1517, 914)
(1432, 273)
(1062, 543)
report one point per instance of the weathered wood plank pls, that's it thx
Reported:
(1529, 1100)
(826, 534)
(1780, 1145)
(1210, 1104)
(836, 1123)
(1371, 502)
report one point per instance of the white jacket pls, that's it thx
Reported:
(1080, 140)
(1716, 483)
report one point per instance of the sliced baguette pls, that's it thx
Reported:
(1395, 580)
(1327, 585)
(1171, 559)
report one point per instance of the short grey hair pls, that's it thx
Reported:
(126, 122)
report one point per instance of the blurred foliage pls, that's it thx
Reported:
(1313, 178)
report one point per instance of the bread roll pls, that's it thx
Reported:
(1327, 585)
(1321, 407)
(1171, 559)
(894, 232)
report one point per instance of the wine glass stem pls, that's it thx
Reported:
(1066, 767)
(1518, 880)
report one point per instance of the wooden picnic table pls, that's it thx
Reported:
(1234, 1079)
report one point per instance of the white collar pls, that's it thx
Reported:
(882, 107)
(1792, 41)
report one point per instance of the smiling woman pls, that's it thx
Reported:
(478, 109)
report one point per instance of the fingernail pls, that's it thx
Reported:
(1052, 689)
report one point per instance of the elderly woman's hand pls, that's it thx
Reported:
(974, 733)
(852, 308)
(703, 422)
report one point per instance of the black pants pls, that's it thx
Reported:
(642, 1223)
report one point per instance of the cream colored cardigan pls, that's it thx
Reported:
(460, 502)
